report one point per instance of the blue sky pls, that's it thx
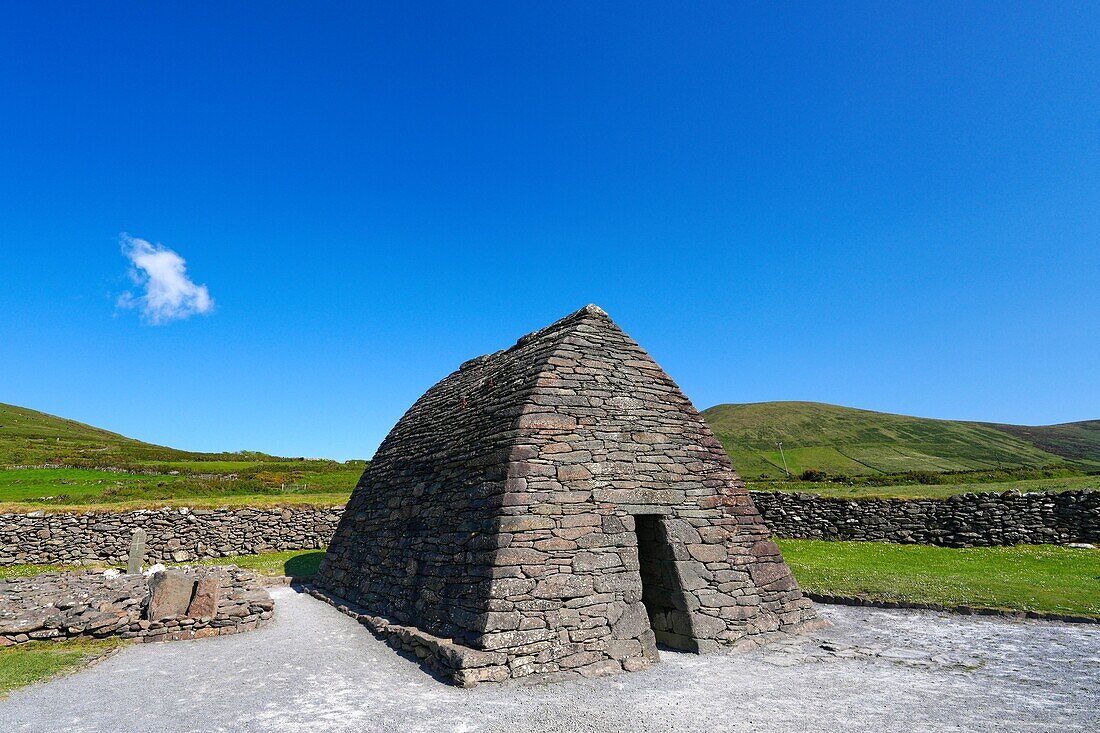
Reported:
(876, 205)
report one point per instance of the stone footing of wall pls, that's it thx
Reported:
(964, 610)
(455, 663)
(467, 667)
(964, 520)
(65, 605)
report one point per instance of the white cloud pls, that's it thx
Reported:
(165, 292)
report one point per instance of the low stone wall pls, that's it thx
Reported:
(965, 520)
(174, 534)
(206, 602)
(182, 535)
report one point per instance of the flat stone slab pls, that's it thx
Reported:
(170, 594)
(315, 669)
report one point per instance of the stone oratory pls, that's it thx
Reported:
(557, 509)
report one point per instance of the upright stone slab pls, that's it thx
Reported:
(137, 552)
(170, 593)
(204, 603)
(558, 507)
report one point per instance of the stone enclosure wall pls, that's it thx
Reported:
(180, 535)
(174, 535)
(965, 520)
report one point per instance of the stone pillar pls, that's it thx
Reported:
(137, 552)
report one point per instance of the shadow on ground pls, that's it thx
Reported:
(303, 566)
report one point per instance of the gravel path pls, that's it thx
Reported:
(314, 669)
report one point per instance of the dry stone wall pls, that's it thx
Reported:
(64, 605)
(181, 535)
(174, 535)
(965, 520)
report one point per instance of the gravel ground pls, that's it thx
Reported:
(314, 669)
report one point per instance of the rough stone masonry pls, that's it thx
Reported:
(555, 510)
(183, 603)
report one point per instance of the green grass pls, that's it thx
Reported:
(263, 484)
(861, 442)
(40, 660)
(29, 437)
(23, 571)
(1043, 578)
(926, 491)
(296, 563)
(85, 453)
(868, 447)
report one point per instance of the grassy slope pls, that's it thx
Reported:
(837, 440)
(30, 438)
(860, 442)
(1076, 441)
(1045, 578)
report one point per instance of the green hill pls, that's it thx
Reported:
(29, 437)
(845, 440)
(50, 461)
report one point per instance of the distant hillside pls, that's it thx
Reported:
(29, 437)
(845, 440)
(1074, 440)
(48, 461)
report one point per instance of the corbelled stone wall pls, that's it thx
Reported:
(497, 530)
(965, 520)
(56, 606)
(174, 535)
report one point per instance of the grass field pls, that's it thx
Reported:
(872, 454)
(926, 491)
(845, 440)
(1046, 578)
(92, 468)
(70, 490)
(267, 482)
(40, 660)
(296, 563)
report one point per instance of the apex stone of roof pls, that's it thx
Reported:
(554, 510)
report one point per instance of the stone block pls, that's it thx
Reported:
(525, 523)
(633, 622)
(204, 604)
(170, 594)
(707, 553)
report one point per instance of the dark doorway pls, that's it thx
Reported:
(662, 593)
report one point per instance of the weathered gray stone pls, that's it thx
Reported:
(93, 603)
(204, 604)
(632, 624)
(137, 552)
(170, 594)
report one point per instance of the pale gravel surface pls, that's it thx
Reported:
(314, 669)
